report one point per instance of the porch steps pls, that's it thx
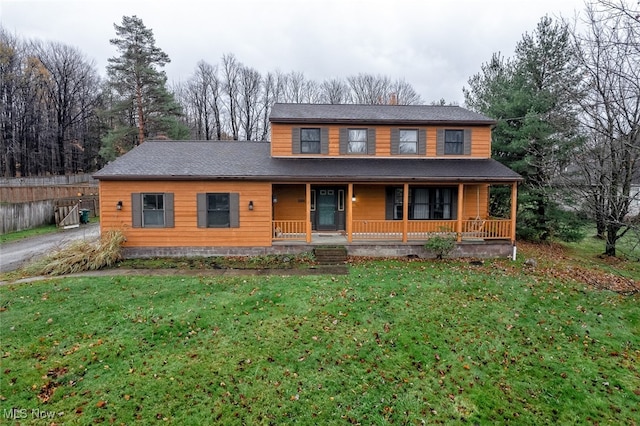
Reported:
(333, 255)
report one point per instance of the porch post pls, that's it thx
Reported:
(349, 218)
(460, 210)
(308, 212)
(514, 208)
(405, 213)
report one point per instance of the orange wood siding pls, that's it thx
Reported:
(476, 202)
(291, 203)
(370, 202)
(281, 140)
(255, 225)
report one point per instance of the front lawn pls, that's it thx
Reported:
(402, 342)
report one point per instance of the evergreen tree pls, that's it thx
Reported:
(141, 104)
(533, 97)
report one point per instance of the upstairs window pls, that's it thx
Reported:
(454, 142)
(357, 142)
(408, 142)
(310, 141)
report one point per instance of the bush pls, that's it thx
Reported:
(440, 246)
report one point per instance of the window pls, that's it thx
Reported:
(218, 211)
(357, 142)
(310, 141)
(397, 203)
(152, 210)
(454, 142)
(408, 142)
(424, 203)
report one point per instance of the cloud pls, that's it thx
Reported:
(434, 46)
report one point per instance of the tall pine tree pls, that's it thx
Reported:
(141, 106)
(533, 97)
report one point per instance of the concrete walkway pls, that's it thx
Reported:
(18, 253)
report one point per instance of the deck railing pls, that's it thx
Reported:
(290, 230)
(392, 230)
(489, 229)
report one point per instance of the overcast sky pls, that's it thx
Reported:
(435, 45)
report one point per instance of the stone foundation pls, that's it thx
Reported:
(469, 249)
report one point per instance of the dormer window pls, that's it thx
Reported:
(310, 141)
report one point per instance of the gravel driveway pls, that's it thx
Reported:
(15, 254)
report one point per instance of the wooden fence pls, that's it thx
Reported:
(79, 179)
(21, 216)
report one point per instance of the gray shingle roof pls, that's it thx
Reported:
(207, 160)
(400, 114)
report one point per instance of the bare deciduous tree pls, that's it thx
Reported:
(610, 115)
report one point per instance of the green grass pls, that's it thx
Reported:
(40, 230)
(392, 342)
(18, 235)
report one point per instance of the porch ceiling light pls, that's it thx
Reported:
(274, 199)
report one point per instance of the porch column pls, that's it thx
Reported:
(405, 213)
(349, 218)
(514, 208)
(308, 212)
(460, 210)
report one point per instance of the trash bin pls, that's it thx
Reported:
(84, 215)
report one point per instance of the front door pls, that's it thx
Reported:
(329, 209)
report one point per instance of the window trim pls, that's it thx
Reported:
(370, 142)
(203, 210)
(137, 210)
(318, 141)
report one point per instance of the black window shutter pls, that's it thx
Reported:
(202, 209)
(324, 140)
(234, 210)
(136, 210)
(422, 142)
(390, 193)
(467, 141)
(440, 142)
(371, 141)
(395, 142)
(169, 221)
(344, 136)
(295, 140)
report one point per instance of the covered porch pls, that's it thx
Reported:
(388, 212)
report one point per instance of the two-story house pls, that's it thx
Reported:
(381, 179)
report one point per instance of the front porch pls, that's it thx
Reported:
(390, 213)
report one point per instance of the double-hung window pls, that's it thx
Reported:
(218, 210)
(357, 142)
(309, 141)
(408, 141)
(152, 210)
(454, 142)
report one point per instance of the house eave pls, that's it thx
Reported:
(303, 179)
(395, 123)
